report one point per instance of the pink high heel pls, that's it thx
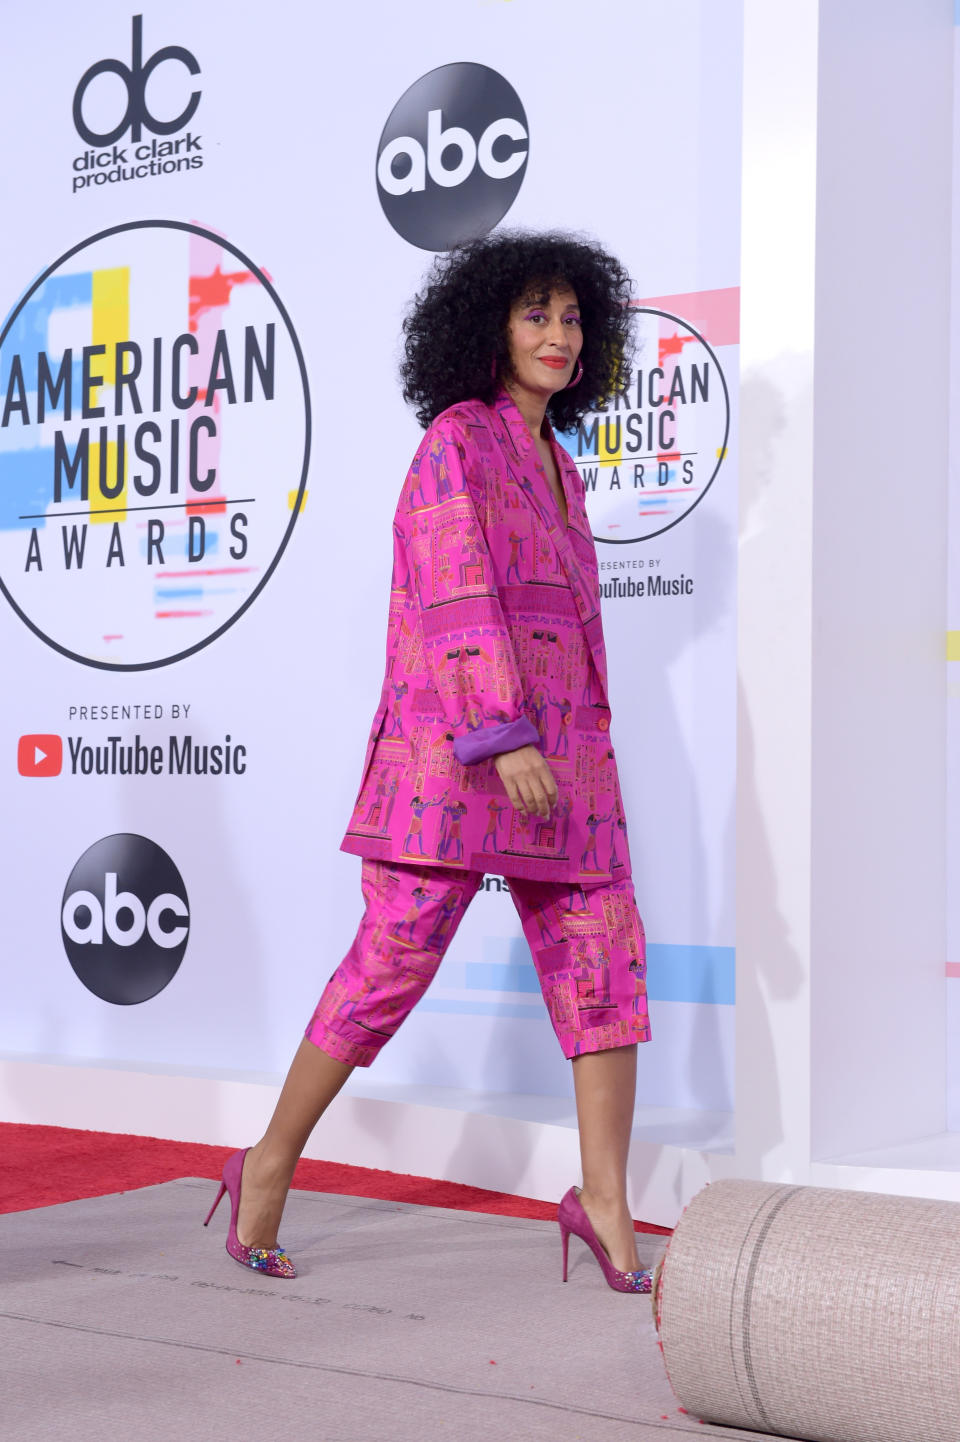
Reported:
(573, 1218)
(274, 1261)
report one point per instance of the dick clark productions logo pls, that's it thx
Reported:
(154, 443)
(452, 156)
(125, 919)
(137, 115)
(150, 91)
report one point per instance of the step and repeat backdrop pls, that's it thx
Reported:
(216, 223)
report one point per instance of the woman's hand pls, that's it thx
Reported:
(528, 780)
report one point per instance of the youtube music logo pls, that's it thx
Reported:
(40, 755)
(43, 755)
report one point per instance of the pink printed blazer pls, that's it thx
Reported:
(494, 642)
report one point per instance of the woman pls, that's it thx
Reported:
(492, 734)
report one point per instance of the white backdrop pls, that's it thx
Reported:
(634, 136)
(953, 641)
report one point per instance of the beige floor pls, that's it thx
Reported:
(121, 1318)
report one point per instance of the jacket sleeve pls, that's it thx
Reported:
(468, 652)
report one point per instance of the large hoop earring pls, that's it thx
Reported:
(577, 378)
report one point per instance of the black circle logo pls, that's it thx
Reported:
(134, 77)
(452, 156)
(125, 919)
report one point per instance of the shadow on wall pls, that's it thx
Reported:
(775, 971)
(680, 875)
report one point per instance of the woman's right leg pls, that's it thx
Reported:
(374, 989)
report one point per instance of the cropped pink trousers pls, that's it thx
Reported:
(587, 944)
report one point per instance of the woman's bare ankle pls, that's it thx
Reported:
(270, 1165)
(610, 1201)
(611, 1219)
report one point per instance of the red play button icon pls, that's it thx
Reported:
(40, 755)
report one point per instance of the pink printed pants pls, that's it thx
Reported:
(588, 948)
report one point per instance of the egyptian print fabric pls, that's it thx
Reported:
(587, 945)
(494, 641)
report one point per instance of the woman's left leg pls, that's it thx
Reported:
(605, 1083)
(593, 981)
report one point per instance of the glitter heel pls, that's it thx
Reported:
(273, 1260)
(572, 1218)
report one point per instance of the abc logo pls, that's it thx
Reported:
(452, 156)
(125, 919)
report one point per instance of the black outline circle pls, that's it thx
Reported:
(255, 270)
(640, 540)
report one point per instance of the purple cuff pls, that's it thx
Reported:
(492, 740)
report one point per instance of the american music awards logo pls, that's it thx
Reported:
(154, 441)
(652, 455)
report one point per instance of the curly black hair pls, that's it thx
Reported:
(457, 324)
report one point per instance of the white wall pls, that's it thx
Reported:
(841, 878)
(881, 408)
(953, 640)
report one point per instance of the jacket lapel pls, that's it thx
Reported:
(523, 465)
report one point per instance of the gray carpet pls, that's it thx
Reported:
(121, 1318)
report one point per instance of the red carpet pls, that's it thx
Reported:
(46, 1165)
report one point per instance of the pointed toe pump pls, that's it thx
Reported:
(273, 1260)
(572, 1218)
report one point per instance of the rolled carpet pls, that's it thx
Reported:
(815, 1313)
